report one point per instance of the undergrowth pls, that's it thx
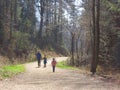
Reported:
(64, 65)
(9, 71)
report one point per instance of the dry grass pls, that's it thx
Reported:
(109, 72)
(32, 57)
(50, 54)
(4, 61)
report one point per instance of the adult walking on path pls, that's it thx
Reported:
(53, 64)
(38, 55)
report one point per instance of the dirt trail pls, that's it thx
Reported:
(44, 79)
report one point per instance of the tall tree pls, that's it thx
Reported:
(96, 33)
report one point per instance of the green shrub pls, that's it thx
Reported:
(64, 65)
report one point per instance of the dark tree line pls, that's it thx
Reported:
(17, 24)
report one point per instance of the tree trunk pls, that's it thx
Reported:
(11, 18)
(41, 19)
(96, 30)
(72, 47)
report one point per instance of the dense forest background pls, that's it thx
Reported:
(88, 31)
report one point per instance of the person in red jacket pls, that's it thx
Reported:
(53, 64)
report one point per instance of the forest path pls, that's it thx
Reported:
(44, 79)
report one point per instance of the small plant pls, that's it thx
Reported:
(64, 65)
(9, 71)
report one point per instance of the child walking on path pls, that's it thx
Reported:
(45, 61)
(53, 64)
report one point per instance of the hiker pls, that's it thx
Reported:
(38, 55)
(45, 61)
(53, 64)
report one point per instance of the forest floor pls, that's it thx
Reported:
(44, 79)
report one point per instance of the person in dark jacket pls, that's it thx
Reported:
(38, 55)
(45, 61)
(53, 64)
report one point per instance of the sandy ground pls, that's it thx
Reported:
(44, 79)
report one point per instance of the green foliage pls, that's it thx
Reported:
(8, 71)
(51, 49)
(64, 65)
(113, 6)
(22, 40)
(61, 49)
